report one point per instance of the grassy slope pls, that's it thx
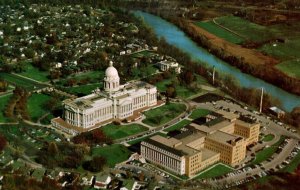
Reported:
(35, 105)
(178, 125)
(114, 154)
(34, 73)
(3, 102)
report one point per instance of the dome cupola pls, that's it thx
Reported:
(111, 79)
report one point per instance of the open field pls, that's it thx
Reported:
(36, 106)
(216, 170)
(291, 68)
(220, 32)
(90, 76)
(114, 154)
(19, 81)
(266, 153)
(249, 30)
(145, 53)
(199, 113)
(121, 131)
(34, 73)
(163, 114)
(3, 102)
(178, 126)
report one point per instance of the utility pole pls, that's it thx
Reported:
(214, 72)
(261, 100)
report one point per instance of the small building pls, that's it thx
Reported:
(277, 112)
(102, 182)
(166, 65)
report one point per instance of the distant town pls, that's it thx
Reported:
(120, 95)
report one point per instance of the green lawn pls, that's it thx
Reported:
(179, 125)
(144, 138)
(83, 89)
(216, 170)
(35, 73)
(291, 68)
(121, 131)
(268, 138)
(114, 154)
(36, 107)
(293, 164)
(163, 114)
(220, 32)
(252, 31)
(19, 81)
(145, 53)
(3, 102)
(199, 113)
(266, 153)
(93, 76)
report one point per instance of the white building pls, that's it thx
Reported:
(116, 102)
(169, 65)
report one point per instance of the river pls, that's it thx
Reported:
(177, 37)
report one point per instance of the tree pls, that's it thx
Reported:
(52, 149)
(3, 142)
(95, 165)
(171, 92)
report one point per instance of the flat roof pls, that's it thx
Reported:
(244, 123)
(227, 115)
(171, 142)
(207, 154)
(223, 137)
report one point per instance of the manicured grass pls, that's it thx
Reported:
(83, 89)
(35, 73)
(266, 153)
(216, 170)
(293, 164)
(199, 113)
(144, 138)
(19, 81)
(114, 154)
(268, 138)
(291, 68)
(3, 102)
(121, 131)
(252, 31)
(36, 106)
(92, 76)
(179, 125)
(220, 32)
(163, 114)
(145, 53)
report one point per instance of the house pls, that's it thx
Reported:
(101, 182)
(277, 112)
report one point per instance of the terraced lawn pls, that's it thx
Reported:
(114, 154)
(121, 131)
(163, 114)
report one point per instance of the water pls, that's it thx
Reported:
(176, 37)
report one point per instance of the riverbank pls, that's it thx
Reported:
(248, 61)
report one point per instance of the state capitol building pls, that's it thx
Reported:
(115, 102)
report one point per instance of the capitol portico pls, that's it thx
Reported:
(114, 102)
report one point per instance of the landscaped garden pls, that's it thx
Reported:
(199, 113)
(214, 171)
(121, 131)
(163, 114)
(114, 154)
(268, 138)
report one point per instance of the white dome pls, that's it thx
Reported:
(111, 72)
